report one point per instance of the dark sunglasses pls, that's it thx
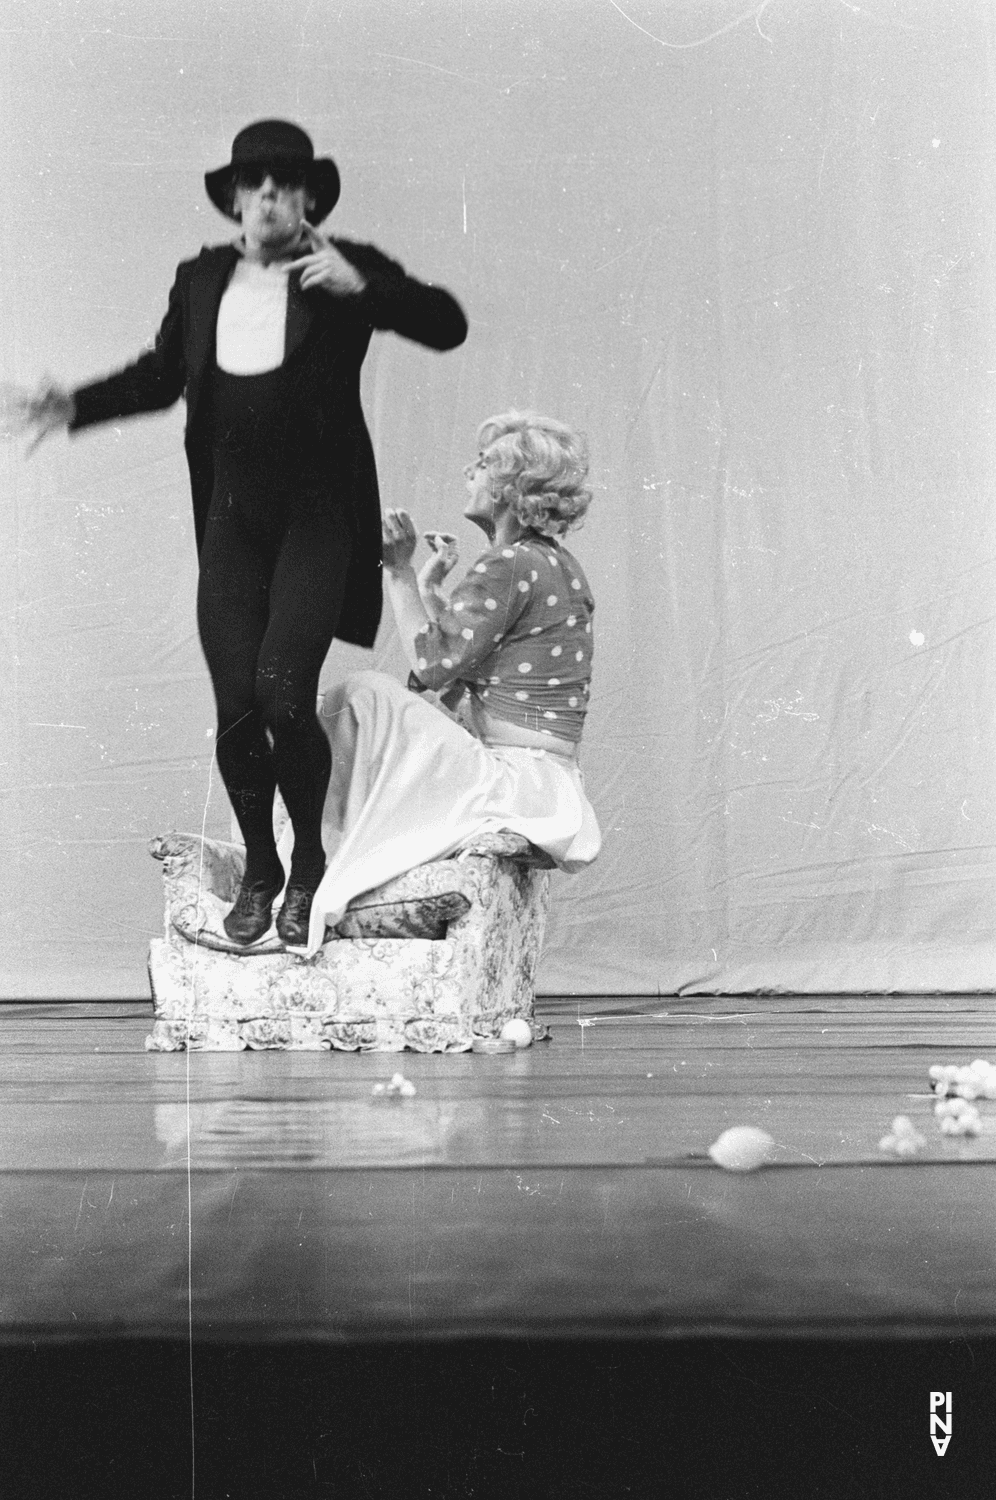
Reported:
(284, 177)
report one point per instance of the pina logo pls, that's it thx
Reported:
(940, 1421)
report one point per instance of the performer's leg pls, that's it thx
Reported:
(305, 603)
(232, 614)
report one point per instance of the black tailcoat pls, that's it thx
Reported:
(337, 331)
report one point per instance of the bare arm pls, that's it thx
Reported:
(417, 599)
(399, 540)
(443, 557)
(152, 382)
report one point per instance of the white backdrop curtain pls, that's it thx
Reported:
(750, 252)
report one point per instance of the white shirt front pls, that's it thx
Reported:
(252, 319)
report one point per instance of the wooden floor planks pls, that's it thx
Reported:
(565, 1187)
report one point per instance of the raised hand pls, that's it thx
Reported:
(48, 410)
(442, 560)
(325, 267)
(398, 540)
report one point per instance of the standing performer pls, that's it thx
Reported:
(265, 338)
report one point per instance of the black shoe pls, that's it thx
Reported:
(294, 916)
(252, 913)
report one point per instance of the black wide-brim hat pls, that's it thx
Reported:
(277, 144)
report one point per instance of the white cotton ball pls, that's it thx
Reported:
(966, 1122)
(517, 1031)
(399, 1087)
(742, 1149)
(904, 1140)
(907, 1145)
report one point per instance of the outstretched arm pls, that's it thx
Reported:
(151, 383)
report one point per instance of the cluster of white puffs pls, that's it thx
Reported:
(955, 1089)
(904, 1139)
(399, 1087)
(976, 1080)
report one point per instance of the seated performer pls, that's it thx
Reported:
(411, 781)
(265, 337)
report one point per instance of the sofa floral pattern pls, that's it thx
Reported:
(368, 988)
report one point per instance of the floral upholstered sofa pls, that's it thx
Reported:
(436, 960)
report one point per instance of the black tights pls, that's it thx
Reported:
(268, 604)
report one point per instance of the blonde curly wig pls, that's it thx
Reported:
(539, 466)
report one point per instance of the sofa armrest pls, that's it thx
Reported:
(189, 859)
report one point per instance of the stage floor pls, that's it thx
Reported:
(561, 1191)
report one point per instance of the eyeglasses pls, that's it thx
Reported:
(253, 177)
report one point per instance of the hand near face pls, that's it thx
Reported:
(398, 540)
(325, 267)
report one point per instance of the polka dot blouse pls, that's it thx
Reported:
(517, 632)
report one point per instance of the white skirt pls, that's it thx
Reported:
(409, 785)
